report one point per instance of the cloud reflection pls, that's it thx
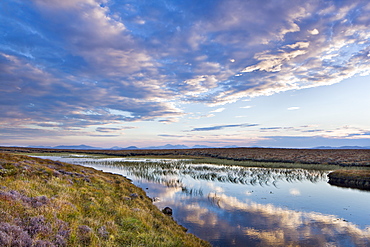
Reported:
(294, 192)
(229, 220)
(295, 227)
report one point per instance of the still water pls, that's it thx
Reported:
(239, 206)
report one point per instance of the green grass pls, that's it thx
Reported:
(42, 201)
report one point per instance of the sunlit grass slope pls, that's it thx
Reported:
(47, 203)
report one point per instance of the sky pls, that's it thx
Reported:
(268, 73)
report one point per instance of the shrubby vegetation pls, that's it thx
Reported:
(48, 203)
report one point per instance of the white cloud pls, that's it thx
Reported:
(313, 31)
(209, 67)
(89, 57)
(218, 110)
(294, 192)
(293, 108)
(273, 62)
(299, 45)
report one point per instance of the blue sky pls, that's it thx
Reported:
(214, 72)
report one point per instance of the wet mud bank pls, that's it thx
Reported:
(350, 179)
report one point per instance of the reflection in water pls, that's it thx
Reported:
(160, 172)
(227, 221)
(282, 227)
(239, 206)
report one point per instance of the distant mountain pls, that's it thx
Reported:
(343, 147)
(39, 147)
(75, 147)
(131, 147)
(116, 148)
(232, 146)
(201, 146)
(168, 146)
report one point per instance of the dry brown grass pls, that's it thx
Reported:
(352, 174)
(342, 157)
(359, 179)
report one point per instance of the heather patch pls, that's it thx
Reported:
(47, 203)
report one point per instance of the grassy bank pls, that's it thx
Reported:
(351, 178)
(47, 203)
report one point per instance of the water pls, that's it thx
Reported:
(238, 206)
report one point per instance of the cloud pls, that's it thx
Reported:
(341, 133)
(299, 61)
(174, 136)
(46, 98)
(95, 135)
(109, 130)
(219, 110)
(294, 192)
(75, 64)
(309, 141)
(273, 62)
(293, 108)
(272, 128)
(97, 67)
(219, 127)
(199, 116)
(363, 134)
(313, 31)
(101, 42)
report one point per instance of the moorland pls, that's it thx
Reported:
(337, 157)
(49, 203)
(351, 167)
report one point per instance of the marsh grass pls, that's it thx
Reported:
(190, 159)
(277, 165)
(168, 171)
(50, 203)
(171, 172)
